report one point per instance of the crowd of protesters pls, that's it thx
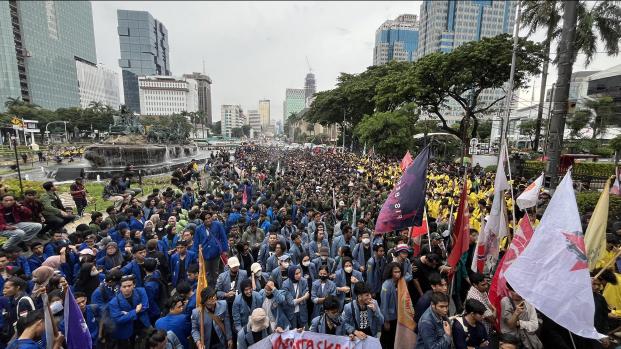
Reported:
(288, 242)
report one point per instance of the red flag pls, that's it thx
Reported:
(407, 161)
(244, 196)
(461, 229)
(422, 230)
(521, 238)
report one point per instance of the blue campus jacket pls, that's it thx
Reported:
(329, 288)
(22, 263)
(132, 268)
(187, 201)
(222, 312)
(124, 314)
(223, 284)
(351, 318)
(214, 240)
(290, 296)
(190, 258)
(389, 300)
(102, 296)
(179, 324)
(431, 332)
(153, 289)
(34, 261)
(135, 224)
(241, 311)
(358, 254)
(318, 325)
(340, 241)
(340, 281)
(91, 316)
(375, 273)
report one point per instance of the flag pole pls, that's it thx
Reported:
(609, 263)
(510, 188)
(427, 226)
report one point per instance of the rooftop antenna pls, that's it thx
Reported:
(309, 66)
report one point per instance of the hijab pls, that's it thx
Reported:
(291, 273)
(86, 282)
(116, 259)
(43, 274)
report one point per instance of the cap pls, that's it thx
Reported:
(402, 248)
(284, 257)
(255, 267)
(258, 320)
(324, 249)
(87, 251)
(233, 262)
(341, 203)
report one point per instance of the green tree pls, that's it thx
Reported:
(390, 132)
(216, 128)
(237, 132)
(578, 122)
(485, 129)
(615, 144)
(461, 76)
(529, 128)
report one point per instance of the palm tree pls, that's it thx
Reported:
(602, 17)
(96, 106)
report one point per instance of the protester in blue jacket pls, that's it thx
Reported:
(188, 199)
(257, 329)
(215, 319)
(244, 304)
(134, 267)
(297, 294)
(37, 257)
(91, 315)
(180, 262)
(329, 320)
(212, 237)
(392, 275)
(375, 270)
(131, 304)
(176, 320)
(322, 288)
(345, 280)
(352, 314)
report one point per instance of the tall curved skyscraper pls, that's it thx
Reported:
(309, 85)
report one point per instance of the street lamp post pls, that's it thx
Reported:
(19, 172)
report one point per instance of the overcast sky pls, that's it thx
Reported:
(255, 50)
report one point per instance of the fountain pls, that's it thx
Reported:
(157, 150)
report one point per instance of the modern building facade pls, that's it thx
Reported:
(232, 116)
(40, 42)
(254, 121)
(97, 83)
(166, 95)
(295, 101)
(204, 95)
(448, 24)
(396, 40)
(144, 52)
(310, 85)
(264, 112)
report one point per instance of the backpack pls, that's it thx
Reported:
(460, 319)
(163, 296)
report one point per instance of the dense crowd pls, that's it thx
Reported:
(288, 242)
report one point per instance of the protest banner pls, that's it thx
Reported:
(311, 340)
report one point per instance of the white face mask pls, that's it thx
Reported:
(56, 307)
(366, 241)
(348, 269)
(306, 264)
(285, 264)
(94, 272)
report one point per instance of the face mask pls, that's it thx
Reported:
(323, 277)
(324, 258)
(285, 264)
(94, 272)
(56, 307)
(366, 241)
(306, 264)
(348, 269)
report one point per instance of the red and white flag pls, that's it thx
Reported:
(616, 189)
(495, 228)
(521, 238)
(406, 161)
(529, 197)
(552, 273)
(461, 229)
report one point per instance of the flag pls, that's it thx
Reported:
(616, 189)
(529, 197)
(201, 282)
(48, 320)
(595, 236)
(244, 196)
(404, 336)
(422, 230)
(495, 228)
(77, 333)
(406, 161)
(416, 243)
(461, 229)
(552, 273)
(404, 206)
(498, 288)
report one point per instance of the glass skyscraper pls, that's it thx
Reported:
(396, 40)
(144, 51)
(40, 42)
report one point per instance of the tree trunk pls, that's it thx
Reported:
(542, 92)
(559, 113)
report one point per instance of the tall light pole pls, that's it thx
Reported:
(19, 172)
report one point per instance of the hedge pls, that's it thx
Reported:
(596, 169)
(588, 200)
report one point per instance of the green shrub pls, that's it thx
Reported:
(491, 168)
(596, 169)
(588, 200)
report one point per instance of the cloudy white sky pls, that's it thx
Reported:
(255, 50)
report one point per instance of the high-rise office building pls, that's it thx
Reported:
(40, 42)
(167, 95)
(204, 94)
(232, 116)
(309, 85)
(144, 51)
(396, 40)
(264, 112)
(97, 83)
(295, 101)
(254, 120)
(448, 24)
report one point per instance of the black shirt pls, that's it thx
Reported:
(8, 215)
(182, 273)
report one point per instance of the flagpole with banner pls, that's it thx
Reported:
(595, 236)
(201, 284)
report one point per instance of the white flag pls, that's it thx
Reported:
(496, 226)
(529, 197)
(553, 273)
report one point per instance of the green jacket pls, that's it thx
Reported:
(49, 207)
